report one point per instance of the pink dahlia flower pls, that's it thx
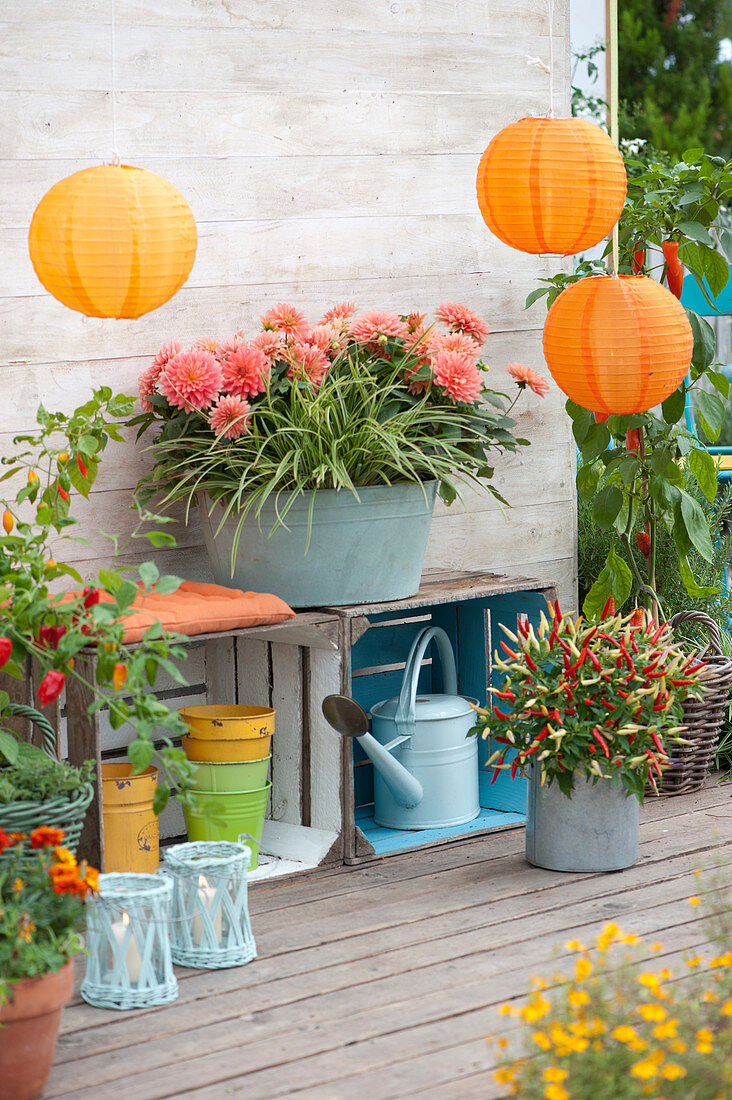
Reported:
(146, 383)
(307, 364)
(326, 338)
(458, 376)
(367, 328)
(167, 352)
(461, 319)
(415, 321)
(271, 343)
(341, 312)
(525, 376)
(229, 417)
(246, 371)
(190, 380)
(287, 319)
(454, 341)
(417, 385)
(208, 343)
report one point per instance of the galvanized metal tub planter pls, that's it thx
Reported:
(594, 830)
(361, 549)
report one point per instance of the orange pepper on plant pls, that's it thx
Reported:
(7, 521)
(119, 676)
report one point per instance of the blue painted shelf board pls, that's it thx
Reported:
(384, 840)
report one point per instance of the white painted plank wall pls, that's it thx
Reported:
(328, 151)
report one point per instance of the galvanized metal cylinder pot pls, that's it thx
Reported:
(361, 550)
(594, 830)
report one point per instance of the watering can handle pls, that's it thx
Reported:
(405, 712)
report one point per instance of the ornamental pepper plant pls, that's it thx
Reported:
(51, 468)
(601, 700)
(42, 894)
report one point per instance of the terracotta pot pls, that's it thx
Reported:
(28, 1028)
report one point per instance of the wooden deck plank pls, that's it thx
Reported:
(386, 986)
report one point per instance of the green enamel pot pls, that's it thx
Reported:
(251, 775)
(225, 815)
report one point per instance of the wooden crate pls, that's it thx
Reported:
(374, 646)
(322, 784)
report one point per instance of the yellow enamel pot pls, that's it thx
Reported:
(227, 734)
(131, 834)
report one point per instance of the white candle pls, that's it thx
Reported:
(205, 900)
(133, 959)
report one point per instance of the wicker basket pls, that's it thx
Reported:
(702, 717)
(66, 812)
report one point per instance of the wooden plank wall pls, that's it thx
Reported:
(329, 152)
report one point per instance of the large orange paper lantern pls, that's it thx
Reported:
(551, 185)
(113, 241)
(617, 345)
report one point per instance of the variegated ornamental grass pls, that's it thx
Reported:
(602, 699)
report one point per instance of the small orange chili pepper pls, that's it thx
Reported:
(63, 457)
(32, 477)
(63, 494)
(50, 564)
(8, 521)
(119, 676)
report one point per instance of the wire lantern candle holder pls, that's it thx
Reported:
(210, 926)
(128, 940)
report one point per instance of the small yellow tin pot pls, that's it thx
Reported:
(227, 734)
(131, 834)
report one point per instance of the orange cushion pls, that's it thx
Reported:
(202, 609)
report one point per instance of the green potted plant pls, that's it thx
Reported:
(593, 711)
(42, 893)
(48, 627)
(315, 452)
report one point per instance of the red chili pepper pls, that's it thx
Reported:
(499, 714)
(91, 596)
(62, 493)
(83, 468)
(659, 707)
(51, 686)
(655, 675)
(608, 638)
(529, 752)
(553, 635)
(644, 544)
(658, 633)
(674, 268)
(592, 749)
(530, 662)
(580, 660)
(626, 656)
(656, 741)
(51, 635)
(595, 660)
(522, 628)
(514, 767)
(632, 441)
(555, 715)
(679, 683)
(610, 706)
(6, 650)
(510, 652)
(622, 694)
(569, 692)
(601, 741)
(496, 773)
(505, 695)
(632, 738)
(654, 761)
(639, 259)
(609, 609)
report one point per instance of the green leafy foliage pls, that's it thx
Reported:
(34, 776)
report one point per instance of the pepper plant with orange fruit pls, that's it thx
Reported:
(51, 468)
(42, 891)
(601, 700)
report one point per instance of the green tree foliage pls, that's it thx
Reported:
(676, 91)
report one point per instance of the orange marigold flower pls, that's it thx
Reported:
(63, 855)
(46, 836)
(17, 838)
(18, 885)
(5, 840)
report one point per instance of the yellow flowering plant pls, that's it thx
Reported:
(637, 1026)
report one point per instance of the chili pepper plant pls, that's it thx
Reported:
(601, 700)
(50, 468)
(632, 468)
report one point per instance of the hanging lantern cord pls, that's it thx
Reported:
(614, 129)
(117, 159)
(547, 68)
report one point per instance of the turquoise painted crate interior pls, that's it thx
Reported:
(377, 665)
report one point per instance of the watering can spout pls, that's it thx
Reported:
(406, 789)
(350, 719)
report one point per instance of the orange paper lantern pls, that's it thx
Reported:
(551, 185)
(617, 345)
(113, 241)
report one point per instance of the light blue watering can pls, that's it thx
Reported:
(425, 765)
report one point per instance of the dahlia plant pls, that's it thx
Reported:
(42, 891)
(602, 700)
(353, 400)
